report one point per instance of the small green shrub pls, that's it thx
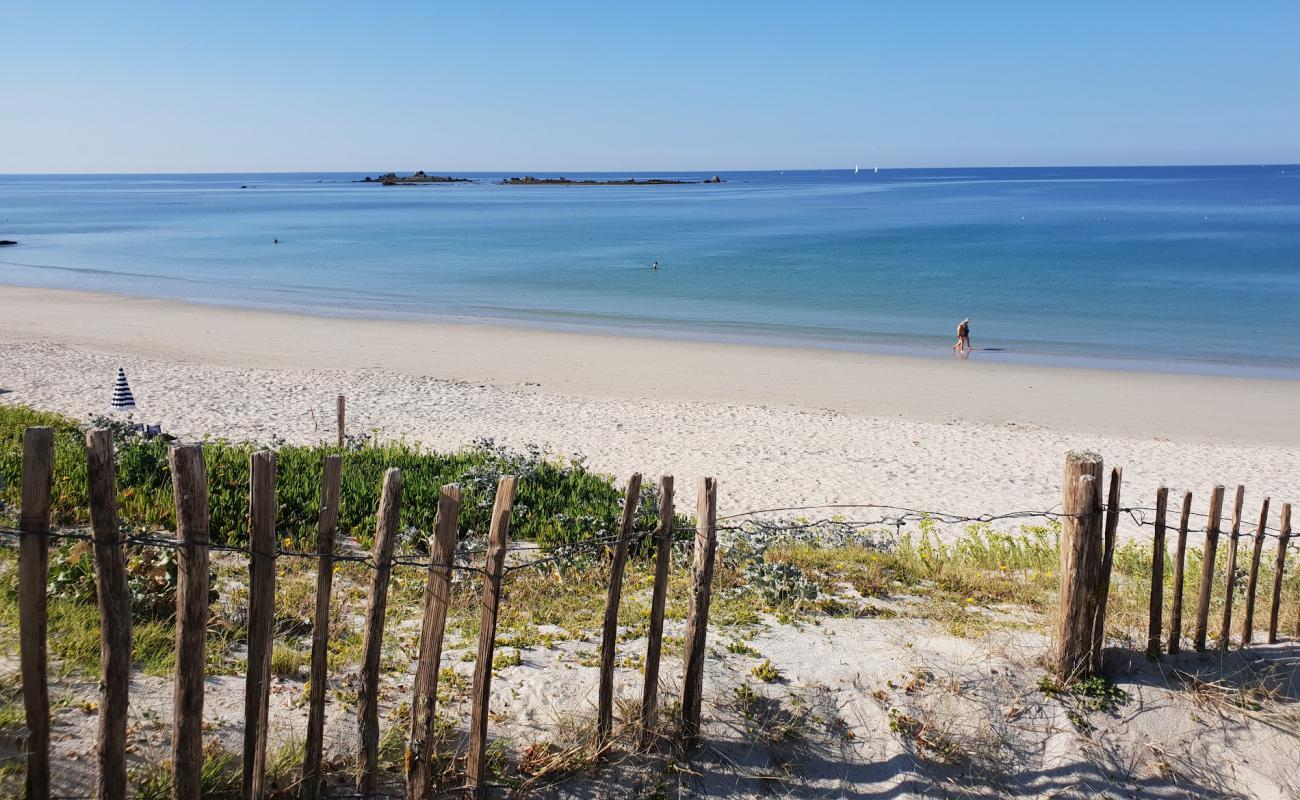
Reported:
(506, 658)
(766, 672)
(150, 574)
(287, 662)
(742, 648)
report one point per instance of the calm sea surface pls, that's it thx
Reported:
(1194, 268)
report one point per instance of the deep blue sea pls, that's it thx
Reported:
(1184, 268)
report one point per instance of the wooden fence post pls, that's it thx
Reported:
(655, 636)
(1157, 575)
(1082, 554)
(262, 542)
(1212, 522)
(697, 619)
(437, 595)
(1283, 538)
(327, 524)
(190, 491)
(476, 761)
(609, 634)
(114, 614)
(1107, 559)
(33, 576)
(1230, 578)
(1248, 624)
(1176, 609)
(342, 413)
(386, 522)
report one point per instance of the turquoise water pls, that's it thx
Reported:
(1193, 268)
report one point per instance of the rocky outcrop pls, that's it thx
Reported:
(529, 180)
(393, 179)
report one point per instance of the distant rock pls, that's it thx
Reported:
(7, 242)
(529, 180)
(714, 179)
(393, 179)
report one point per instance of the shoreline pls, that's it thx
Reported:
(1191, 407)
(1008, 352)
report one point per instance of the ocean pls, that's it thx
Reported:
(1167, 268)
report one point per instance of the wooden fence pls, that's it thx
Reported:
(1089, 531)
(1087, 549)
(192, 543)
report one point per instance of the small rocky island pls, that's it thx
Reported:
(393, 179)
(7, 242)
(529, 180)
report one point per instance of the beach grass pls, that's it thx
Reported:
(557, 501)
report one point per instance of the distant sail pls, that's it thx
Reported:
(855, 169)
(877, 170)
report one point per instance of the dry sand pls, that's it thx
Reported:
(777, 426)
(876, 707)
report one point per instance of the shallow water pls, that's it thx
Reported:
(1169, 268)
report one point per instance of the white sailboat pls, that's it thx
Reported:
(876, 170)
(855, 169)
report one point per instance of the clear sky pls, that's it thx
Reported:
(712, 85)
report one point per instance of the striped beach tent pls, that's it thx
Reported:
(122, 399)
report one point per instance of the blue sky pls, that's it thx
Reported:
(287, 86)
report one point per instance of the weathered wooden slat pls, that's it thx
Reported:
(609, 634)
(1248, 621)
(33, 576)
(1157, 576)
(190, 490)
(1175, 638)
(1230, 578)
(261, 618)
(480, 700)
(1279, 567)
(115, 617)
(386, 522)
(1212, 523)
(697, 618)
(326, 526)
(437, 595)
(658, 599)
(342, 419)
(1107, 559)
(1082, 553)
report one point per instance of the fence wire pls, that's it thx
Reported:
(757, 520)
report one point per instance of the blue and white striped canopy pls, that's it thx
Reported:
(122, 399)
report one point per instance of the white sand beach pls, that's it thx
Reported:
(776, 426)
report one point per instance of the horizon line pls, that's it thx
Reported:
(648, 171)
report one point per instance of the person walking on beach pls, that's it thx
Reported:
(963, 337)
